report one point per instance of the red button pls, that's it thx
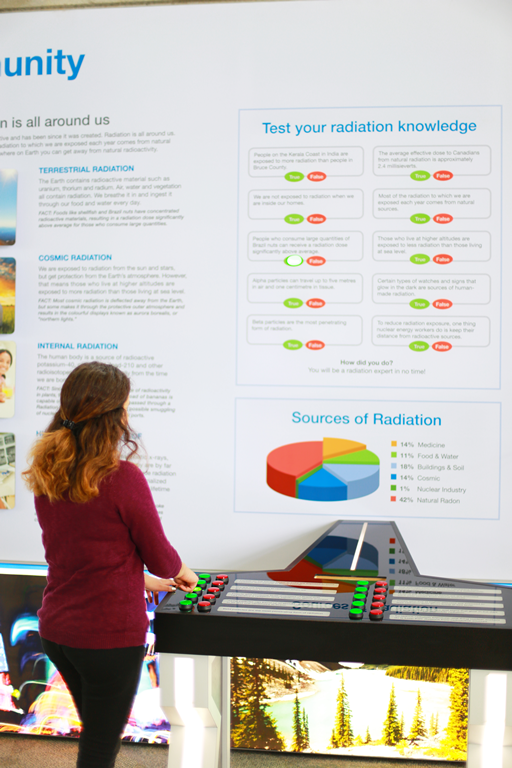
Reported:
(381, 584)
(441, 346)
(377, 606)
(317, 176)
(315, 344)
(443, 218)
(218, 584)
(222, 577)
(376, 615)
(380, 591)
(443, 258)
(315, 261)
(443, 175)
(204, 606)
(214, 591)
(211, 599)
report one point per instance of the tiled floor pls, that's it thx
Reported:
(34, 752)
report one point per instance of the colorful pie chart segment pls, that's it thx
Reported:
(330, 470)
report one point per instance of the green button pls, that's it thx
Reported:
(358, 604)
(294, 260)
(204, 576)
(419, 258)
(418, 346)
(419, 218)
(201, 583)
(419, 303)
(292, 344)
(294, 176)
(198, 590)
(356, 611)
(193, 598)
(363, 583)
(420, 175)
(294, 218)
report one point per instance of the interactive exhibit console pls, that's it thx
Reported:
(354, 594)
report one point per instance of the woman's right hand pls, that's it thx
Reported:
(186, 579)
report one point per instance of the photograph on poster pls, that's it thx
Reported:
(7, 294)
(7, 470)
(7, 378)
(8, 204)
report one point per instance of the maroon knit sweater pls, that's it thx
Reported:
(95, 551)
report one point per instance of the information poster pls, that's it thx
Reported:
(287, 223)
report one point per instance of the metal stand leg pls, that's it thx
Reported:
(195, 696)
(490, 719)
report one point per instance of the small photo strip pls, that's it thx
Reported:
(7, 378)
(7, 294)
(7, 470)
(8, 205)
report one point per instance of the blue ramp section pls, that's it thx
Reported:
(360, 479)
(323, 486)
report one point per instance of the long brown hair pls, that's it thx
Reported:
(83, 443)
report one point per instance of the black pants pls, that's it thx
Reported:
(103, 684)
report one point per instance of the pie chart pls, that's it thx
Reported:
(332, 469)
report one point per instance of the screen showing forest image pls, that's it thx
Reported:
(349, 709)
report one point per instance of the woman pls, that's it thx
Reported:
(100, 526)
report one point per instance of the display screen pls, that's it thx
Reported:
(33, 697)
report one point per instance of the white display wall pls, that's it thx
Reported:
(286, 221)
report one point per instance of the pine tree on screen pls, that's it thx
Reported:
(391, 728)
(236, 694)
(457, 728)
(256, 728)
(342, 734)
(298, 735)
(402, 727)
(418, 730)
(433, 729)
(305, 729)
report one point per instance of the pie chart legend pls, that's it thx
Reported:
(332, 469)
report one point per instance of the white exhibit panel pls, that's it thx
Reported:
(286, 221)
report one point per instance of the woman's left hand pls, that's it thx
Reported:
(153, 585)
